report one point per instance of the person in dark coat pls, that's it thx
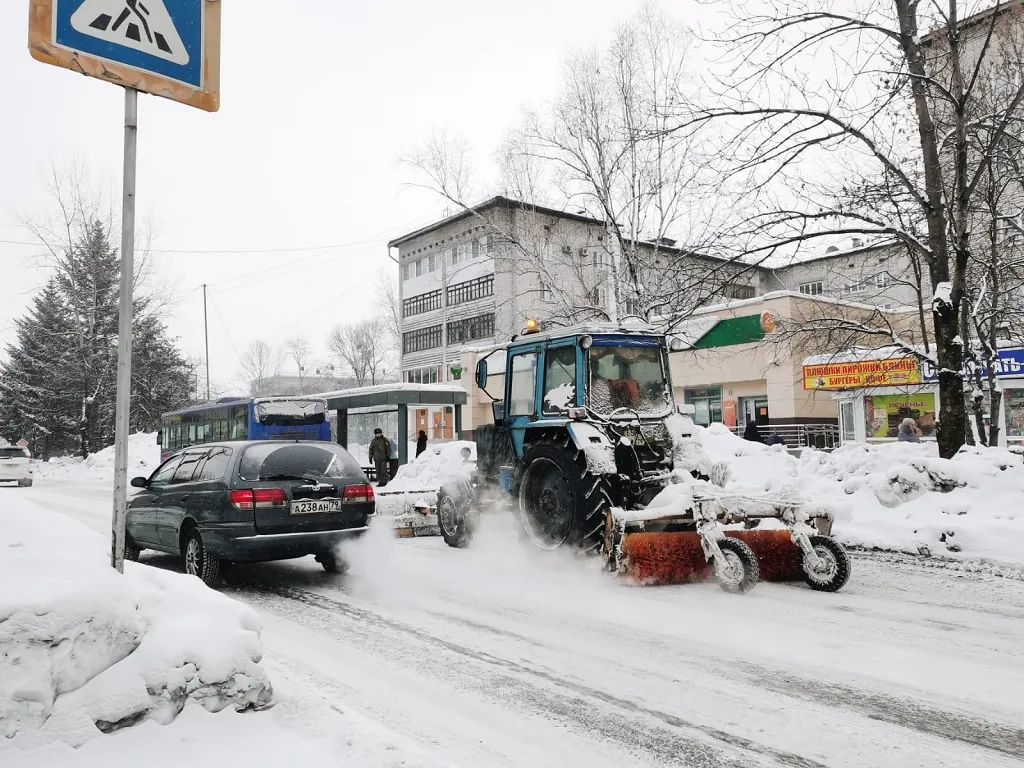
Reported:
(776, 439)
(752, 433)
(421, 443)
(380, 453)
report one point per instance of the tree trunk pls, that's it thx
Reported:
(952, 403)
(995, 403)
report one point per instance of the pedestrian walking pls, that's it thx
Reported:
(421, 443)
(380, 453)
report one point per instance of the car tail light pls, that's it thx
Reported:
(242, 499)
(269, 498)
(358, 494)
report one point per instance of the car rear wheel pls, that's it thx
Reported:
(131, 550)
(25, 483)
(197, 560)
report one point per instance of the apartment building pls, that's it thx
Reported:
(474, 278)
(881, 273)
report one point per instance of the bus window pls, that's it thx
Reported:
(191, 438)
(239, 429)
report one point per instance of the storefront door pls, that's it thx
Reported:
(755, 409)
(847, 421)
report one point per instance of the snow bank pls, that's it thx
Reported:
(898, 496)
(143, 458)
(434, 466)
(85, 650)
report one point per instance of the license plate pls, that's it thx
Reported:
(314, 506)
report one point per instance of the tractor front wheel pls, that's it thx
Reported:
(833, 569)
(560, 502)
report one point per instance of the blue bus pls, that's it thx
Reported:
(245, 418)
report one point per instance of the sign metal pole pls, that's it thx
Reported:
(124, 330)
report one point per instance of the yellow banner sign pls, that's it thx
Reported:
(895, 372)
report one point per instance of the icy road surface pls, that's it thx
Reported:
(498, 656)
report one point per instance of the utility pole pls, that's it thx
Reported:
(122, 408)
(206, 342)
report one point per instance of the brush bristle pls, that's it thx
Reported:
(677, 557)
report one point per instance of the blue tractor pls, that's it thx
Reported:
(585, 434)
(580, 426)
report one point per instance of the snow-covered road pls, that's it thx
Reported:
(498, 656)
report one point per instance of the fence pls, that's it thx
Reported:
(821, 436)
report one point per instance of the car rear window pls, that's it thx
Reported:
(13, 453)
(297, 460)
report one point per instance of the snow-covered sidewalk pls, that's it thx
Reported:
(146, 668)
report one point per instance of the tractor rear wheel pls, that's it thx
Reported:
(560, 502)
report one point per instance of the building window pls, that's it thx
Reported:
(431, 263)
(601, 259)
(482, 246)
(597, 297)
(471, 290)
(419, 268)
(423, 375)
(853, 288)
(740, 291)
(406, 271)
(631, 306)
(545, 292)
(424, 338)
(471, 329)
(425, 302)
(883, 279)
(814, 288)
(453, 256)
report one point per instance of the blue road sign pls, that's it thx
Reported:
(163, 37)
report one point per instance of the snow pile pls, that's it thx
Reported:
(85, 650)
(434, 466)
(897, 496)
(143, 458)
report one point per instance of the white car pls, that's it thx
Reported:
(15, 465)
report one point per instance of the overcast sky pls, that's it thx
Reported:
(319, 99)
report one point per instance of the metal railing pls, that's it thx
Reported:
(822, 436)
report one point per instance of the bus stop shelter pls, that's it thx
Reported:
(394, 399)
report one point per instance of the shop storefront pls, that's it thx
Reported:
(877, 389)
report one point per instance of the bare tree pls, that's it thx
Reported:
(363, 349)
(261, 365)
(389, 303)
(606, 148)
(297, 348)
(895, 102)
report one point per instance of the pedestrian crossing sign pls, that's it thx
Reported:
(169, 48)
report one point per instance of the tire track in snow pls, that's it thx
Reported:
(896, 711)
(573, 701)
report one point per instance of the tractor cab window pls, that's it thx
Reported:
(628, 377)
(559, 379)
(523, 387)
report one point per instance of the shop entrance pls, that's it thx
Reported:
(754, 409)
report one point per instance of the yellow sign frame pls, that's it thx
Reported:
(893, 372)
(43, 48)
